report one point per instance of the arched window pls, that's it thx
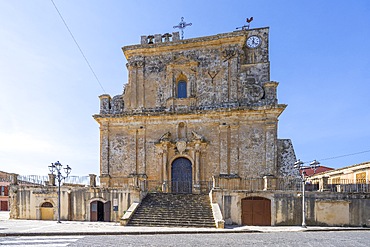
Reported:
(181, 89)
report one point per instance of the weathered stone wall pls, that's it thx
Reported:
(230, 103)
(322, 208)
(286, 159)
(239, 142)
(26, 201)
(218, 69)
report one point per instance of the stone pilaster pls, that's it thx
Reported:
(271, 148)
(197, 163)
(104, 149)
(224, 149)
(140, 149)
(234, 149)
(140, 85)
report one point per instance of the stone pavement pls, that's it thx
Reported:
(10, 227)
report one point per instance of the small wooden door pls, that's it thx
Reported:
(256, 211)
(47, 211)
(107, 208)
(100, 211)
(181, 176)
(94, 211)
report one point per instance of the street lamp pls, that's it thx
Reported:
(57, 167)
(300, 167)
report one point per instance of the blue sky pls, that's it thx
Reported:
(319, 53)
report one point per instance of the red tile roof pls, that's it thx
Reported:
(309, 172)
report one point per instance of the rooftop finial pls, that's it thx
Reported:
(182, 26)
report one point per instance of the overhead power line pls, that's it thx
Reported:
(341, 156)
(83, 55)
(345, 155)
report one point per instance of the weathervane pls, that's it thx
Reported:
(182, 26)
(245, 27)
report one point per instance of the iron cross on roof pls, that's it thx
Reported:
(182, 26)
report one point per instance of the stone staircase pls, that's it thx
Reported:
(174, 210)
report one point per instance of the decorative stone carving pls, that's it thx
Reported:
(117, 104)
(136, 62)
(165, 137)
(181, 146)
(254, 92)
(197, 137)
(228, 53)
(105, 104)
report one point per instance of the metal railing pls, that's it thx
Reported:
(44, 180)
(349, 185)
(246, 184)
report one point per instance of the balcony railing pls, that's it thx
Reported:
(349, 185)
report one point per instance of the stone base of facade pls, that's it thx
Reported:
(285, 208)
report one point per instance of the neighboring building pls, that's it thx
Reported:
(311, 172)
(197, 117)
(5, 180)
(353, 178)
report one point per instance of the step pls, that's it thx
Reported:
(174, 210)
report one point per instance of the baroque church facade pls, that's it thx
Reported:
(198, 118)
(194, 110)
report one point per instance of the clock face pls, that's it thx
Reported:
(253, 41)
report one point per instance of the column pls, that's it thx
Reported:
(140, 84)
(234, 149)
(271, 148)
(164, 165)
(165, 182)
(141, 151)
(223, 149)
(132, 72)
(197, 163)
(104, 148)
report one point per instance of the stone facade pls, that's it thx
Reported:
(198, 116)
(208, 100)
(76, 201)
(322, 208)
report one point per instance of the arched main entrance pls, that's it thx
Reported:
(99, 211)
(181, 176)
(47, 211)
(256, 211)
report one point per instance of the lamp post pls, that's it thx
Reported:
(300, 167)
(57, 167)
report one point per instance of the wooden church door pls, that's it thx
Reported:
(181, 176)
(256, 211)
